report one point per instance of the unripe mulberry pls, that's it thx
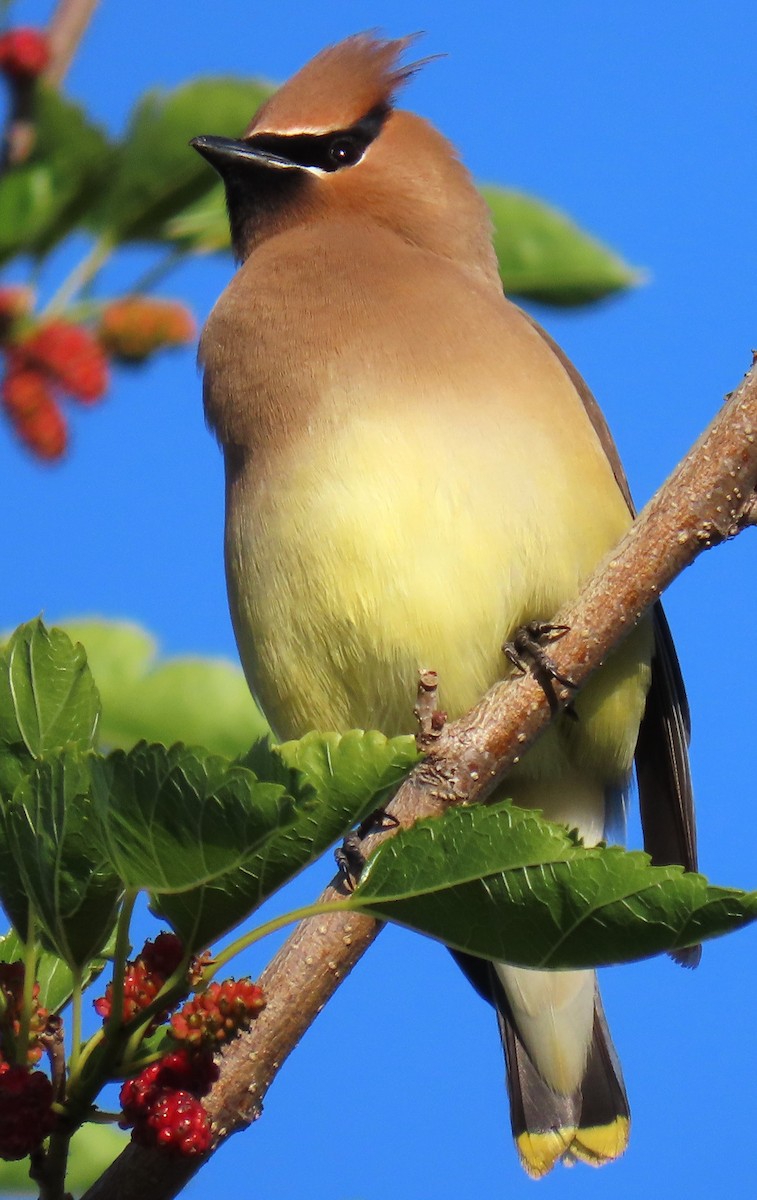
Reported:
(133, 329)
(12, 989)
(16, 301)
(215, 1015)
(72, 357)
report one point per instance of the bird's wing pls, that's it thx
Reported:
(662, 750)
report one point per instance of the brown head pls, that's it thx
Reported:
(330, 144)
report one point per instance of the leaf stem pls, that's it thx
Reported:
(83, 273)
(158, 272)
(255, 935)
(30, 977)
(87, 1051)
(76, 1015)
(120, 952)
(173, 990)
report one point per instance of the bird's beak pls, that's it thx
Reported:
(223, 153)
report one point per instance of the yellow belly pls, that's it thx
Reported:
(395, 544)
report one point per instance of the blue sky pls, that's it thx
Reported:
(639, 120)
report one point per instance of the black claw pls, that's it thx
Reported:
(526, 650)
(376, 821)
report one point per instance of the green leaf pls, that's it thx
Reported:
(44, 197)
(48, 699)
(93, 1148)
(13, 893)
(202, 227)
(57, 846)
(335, 780)
(192, 700)
(53, 974)
(544, 256)
(156, 173)
(502, 883)
(174, 819)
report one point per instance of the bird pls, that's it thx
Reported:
(414, 472)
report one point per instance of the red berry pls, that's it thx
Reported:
(26, 1116)
(71, 355)
(216, 1014)
(144, 977)
(43, 429)
(24, 389)
(24, 53)
(162, 956)
(182, 1069)
(140, 989)
(138, 1094)
(176, 1122)
(134, 328)
(192, 1070)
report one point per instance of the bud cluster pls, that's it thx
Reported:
(215, 1015)
(11, 1005)
(163, 1104)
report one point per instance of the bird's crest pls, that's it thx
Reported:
(338, 87)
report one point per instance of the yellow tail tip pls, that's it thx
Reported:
(600, 1144)
(593, 1144)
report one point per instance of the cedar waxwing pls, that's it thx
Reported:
(414, 471)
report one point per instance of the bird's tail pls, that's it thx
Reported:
(588, 1123)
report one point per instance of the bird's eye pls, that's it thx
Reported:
(345, 150)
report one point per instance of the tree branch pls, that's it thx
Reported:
(709, 498)
(65, 30)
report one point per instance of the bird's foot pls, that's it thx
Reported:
(350, 861)
(527, 651)
(349, 856)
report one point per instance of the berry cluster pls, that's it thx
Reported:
(144, 977)
(46, 360)
(26, 1116)
(24, 54)
(11, 1004)
(43, 363)
(134, 328)
(215, 1015)
(163, 1104)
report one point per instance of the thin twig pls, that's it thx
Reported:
(65, 30)
(709, 498)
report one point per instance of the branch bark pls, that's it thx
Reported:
(709, 498)
(66, 28)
